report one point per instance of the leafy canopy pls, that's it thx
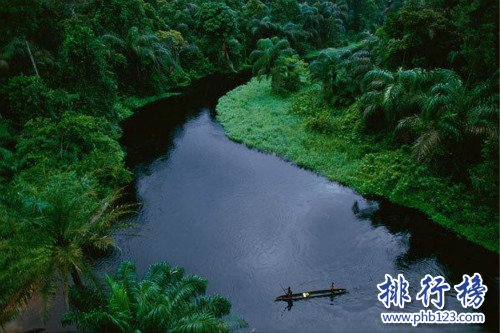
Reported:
(165, 300)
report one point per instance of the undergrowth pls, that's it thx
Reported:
(304, 131)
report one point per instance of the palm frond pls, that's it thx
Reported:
(425, 144)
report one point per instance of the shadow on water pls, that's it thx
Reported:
(426, 240)
(150, 132)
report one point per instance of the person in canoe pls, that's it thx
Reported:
(289, 292)
(333, 287)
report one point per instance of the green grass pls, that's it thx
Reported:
(329, 142)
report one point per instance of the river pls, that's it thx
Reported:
(252, 223)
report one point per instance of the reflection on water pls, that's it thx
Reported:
(253, 224)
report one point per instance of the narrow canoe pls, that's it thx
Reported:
(311, 294)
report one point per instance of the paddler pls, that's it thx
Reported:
(333, 287)
(289, 292)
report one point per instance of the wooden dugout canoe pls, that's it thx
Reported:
(311, 294)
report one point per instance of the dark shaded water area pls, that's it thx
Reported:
(252, 223)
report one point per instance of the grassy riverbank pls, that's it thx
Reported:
(330, 142)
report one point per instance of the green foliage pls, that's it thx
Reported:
(81, 143)
(255, 9)
(288, 75)
(19, 54)
(67, 72)
(339, 72)
(325, 23)
(55, 231)
(7, 142)
(476, 55)
(319, 122)
(435, 110)
(484, 175)
(363, 14)
(416, 35)
(217, 19)
(275, 58)
(462, 35)
(165, 300)
(92, 79)
(119, 16)
(392, 95)
(218, 24)
(285, 10)
(29, 97)
(252, 115)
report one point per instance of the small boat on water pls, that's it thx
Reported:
(311, 294)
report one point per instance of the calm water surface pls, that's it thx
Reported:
(252, 223)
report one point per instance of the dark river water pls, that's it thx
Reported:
(252, 223)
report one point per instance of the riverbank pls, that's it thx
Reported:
(331, 144)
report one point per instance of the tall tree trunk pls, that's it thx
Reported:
(31, 58)
(225, 49)
(77, 280)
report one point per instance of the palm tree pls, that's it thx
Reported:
(165, 300)
(20, 48)
(328, 68)
(264, 28)
(63, 226)
(149, 49)
(332, 21)
(433, 129)
(449, 113)
(296, 35)
(145, 54)
(339, 71)
(395, 94)
(268, 51)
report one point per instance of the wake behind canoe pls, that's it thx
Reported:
(311, 294)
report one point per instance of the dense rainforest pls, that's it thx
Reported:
(418, 75)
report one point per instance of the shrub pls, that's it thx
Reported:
(320, 122)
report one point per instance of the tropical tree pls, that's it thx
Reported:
(60, 227)
(29, 97)
(363, 14)
(297, 36)
(273, 58)
(119, 16)
(178, 15)
(80, 143)
(285, 10)
(18, 48)
(218, 24)
(393, 95)
(174, 40)
(325, 22)
(165, 300)
(288, 75)
(417, 35)
(7, 141)
(268, 51)
(255, 9)
(450, 114)
(92, 78)
(265, 28)
(143, 54)
(339, 72)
